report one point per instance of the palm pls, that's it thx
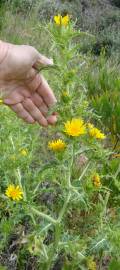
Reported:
(26, 91)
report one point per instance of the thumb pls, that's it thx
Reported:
(42, 61)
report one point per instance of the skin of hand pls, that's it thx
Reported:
(23, 89)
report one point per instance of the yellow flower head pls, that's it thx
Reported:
(90, 126)
(14, 192)
(59, 20)
(57, 145)
(95, 132)
(75, 127)
(1, 101)
(65, 20)
(91, 264)
(65, 93)
(23, 152)
(96, 180)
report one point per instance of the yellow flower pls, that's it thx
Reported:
(75, 127)
(65, 20)
(96, 180)
(95, 132)
(1, 101)
(59, 20)
(14, 192)
(57, 145)
(91, 264)
(65, 93)
(23, 152)
(90, 126)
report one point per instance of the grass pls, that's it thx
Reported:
(64, 221)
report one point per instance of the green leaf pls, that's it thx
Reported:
(114, 265)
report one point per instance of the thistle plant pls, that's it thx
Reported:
(63, 196)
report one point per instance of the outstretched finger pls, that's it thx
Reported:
(34, 112)
(38, 101)
(22, 113)
(46, 92)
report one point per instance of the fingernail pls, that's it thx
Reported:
(52, 119)
(50, 61)
(44, 124)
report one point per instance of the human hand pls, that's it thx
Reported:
(24, 90)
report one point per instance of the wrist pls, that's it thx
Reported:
(3, 50)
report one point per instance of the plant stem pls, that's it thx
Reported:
(20, 182)
(45, 228)
(98, 244)
(57, 224)
(117, 140)
(12, 142)
(61, 214)
(103, 213)
(57, 236)
(18, 171)
(37, 212)
(44, 250)
(32, 217)
(19, 177)
(83, 173)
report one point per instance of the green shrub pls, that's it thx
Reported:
(102, 79)
(105, 44)
(116, 3)
(21, 5)
(102, 20)
(88, 228)
(48, 8)
(2, 11)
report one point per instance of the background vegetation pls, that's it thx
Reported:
(26, 21)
